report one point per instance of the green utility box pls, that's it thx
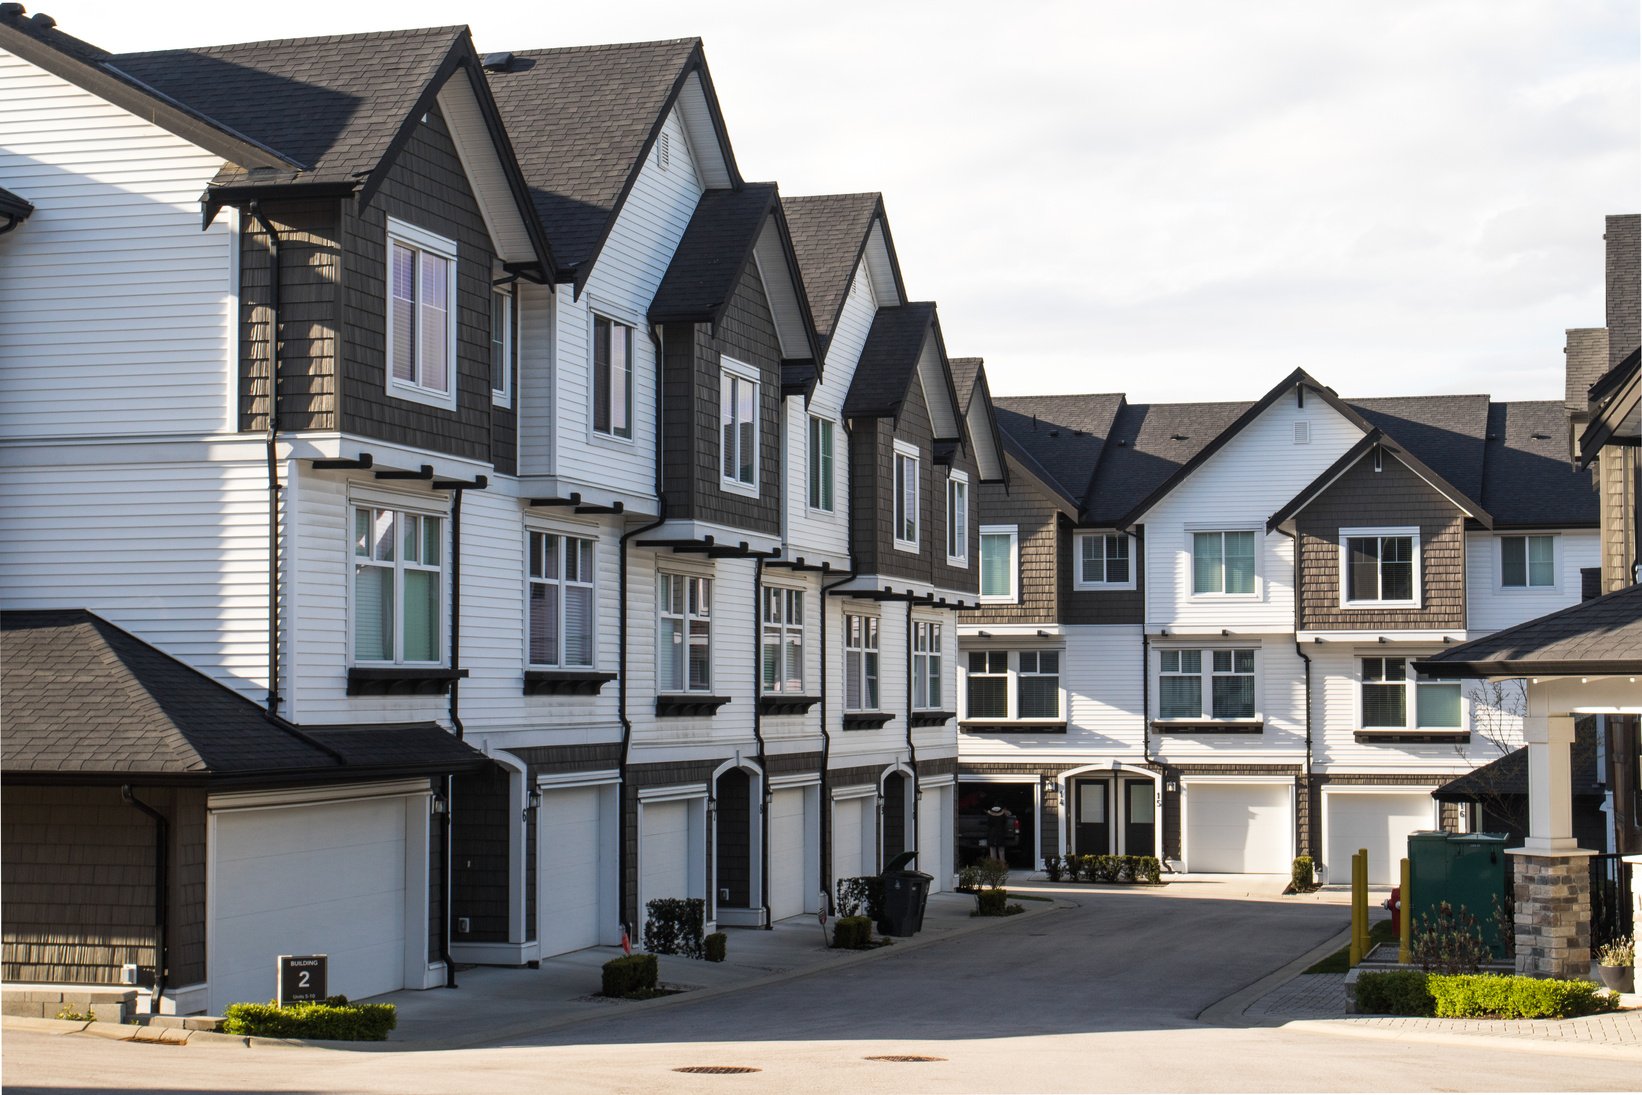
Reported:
(1467, 870)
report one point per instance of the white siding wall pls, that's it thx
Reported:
(1280, 688)
(1490, 607)
(885, 744)
(1239, 487)
(114, 307)
(800, 733)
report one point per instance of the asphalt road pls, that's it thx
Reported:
(1099, 998)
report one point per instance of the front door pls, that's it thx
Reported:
(1094, 817)
(1139, 817)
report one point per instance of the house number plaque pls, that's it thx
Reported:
(301, 978)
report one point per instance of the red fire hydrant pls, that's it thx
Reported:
(1394, 905)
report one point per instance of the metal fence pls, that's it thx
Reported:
(1610, 899)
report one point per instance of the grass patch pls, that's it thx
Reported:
(1029, 897)
(1379, 931)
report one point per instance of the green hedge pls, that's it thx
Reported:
(862, 896)
(675, 926)
(335, 1020)
(1477, 995)
(992, 902)
(1303, 873)
(717, 944)
(1112, 868)
(852, 932)
(630, 975)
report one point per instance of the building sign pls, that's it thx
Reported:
(301, 978)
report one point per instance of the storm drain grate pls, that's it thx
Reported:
(904, 1058)
(717, 1070)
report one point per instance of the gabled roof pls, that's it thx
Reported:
(830, 234)
(1599, 637)
(13, 206)
(1376, 442)
(727, 230)
(1062, 437)
(1615, 399)
(585, 118)
(1527, 480)
(1446, 431)
(1149, 445)
(980, 415)
(89, 702)
(889, 363)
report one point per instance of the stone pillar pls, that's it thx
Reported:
(1553, 914)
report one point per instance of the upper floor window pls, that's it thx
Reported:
(1030, 691)
(612, 377)
(1391, 693)
(1223, 563)
(999, 545)
(1527, 562)
(926, 665)
(685, 660)
(738, 427)
(821, 463)
(1381, 566)
(783, 639)
(421, 339)
(501, 347)
(1102, 560)
(561, 600)
(398, 586)
(860, 663)
(906, 496)
(957, 519)
(1222, 677)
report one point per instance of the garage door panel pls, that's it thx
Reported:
(1378, 822)
(571, 877)
(1238, 828)
(665, 854)
(787, 858)
(847, 827)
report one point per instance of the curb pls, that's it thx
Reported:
(1228, 1011)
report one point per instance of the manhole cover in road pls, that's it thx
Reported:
(905, 1058)
(717, 1070)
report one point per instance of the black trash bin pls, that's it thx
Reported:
(905, 895)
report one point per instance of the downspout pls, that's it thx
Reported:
(449, 815)
(162, 916)
(825, 812)
(764, 796)
(912, 750)
(272, 446)
(1305, 842)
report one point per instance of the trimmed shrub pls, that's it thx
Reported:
(862, 896)
(1396, 992)
(969, 878)
(852, 932)
(716, 945)
(630, 975)
(1108, 868)
(1126, 868)
(1051, 867)
(994, 873)
(992, 903)
(1491, 995)
(1303, 873)
(1148, 869)
(335, 1020)
(1448, 942)
(675, 926)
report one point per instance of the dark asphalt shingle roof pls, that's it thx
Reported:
(828, 234)
(1527, 477)
(965, 370)
(1595, 637)
(1509, 774)
(706, 268)
(1068, 437)
(86, 698)
(889, 360)
(581, 120)
(1444, 431)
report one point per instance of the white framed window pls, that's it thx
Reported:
(561, 601)
(957, 519)
(1223, 563)
(1012, 685)
(1396, 698)
(612, 378)
(906, 496)
(926, 665)
(501, 347)
(397, 611)
(421, 336)
(1215, 684)
(685, 659)
(1000, 563)
(1528, 562)
(1379, 567)
(783, 640)
(823, 436)
(738, 427)
(1102, 561)
(860, 662)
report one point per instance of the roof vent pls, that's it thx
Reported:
(1537, 436)
(1302, 433)
(1121, 442)
(43, 21)
(1054, 433)
(664, 150)
(1178, 437)
(497, 62)
(10, 10)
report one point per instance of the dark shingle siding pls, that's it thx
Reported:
(1036, 524)
(310, 261)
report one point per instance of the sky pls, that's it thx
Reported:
(1179, 200)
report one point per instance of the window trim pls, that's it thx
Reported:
(933, 656)
(533, 529)
(955, 479)
(441, 626)
(781, 629)
(1411, 698)
(1013, 596)
(1012, 675)
(1206, 675)
(503, 396)
(811, 472)
(1078, 583)
(861, 652)
(684, 688)
(1499, 563)
(906, 451)
(422, 240)
(1194, 531)
(730, 368)
(1346, 535)
(596, 312)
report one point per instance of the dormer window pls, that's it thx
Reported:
(421, 335)
(1380, 567)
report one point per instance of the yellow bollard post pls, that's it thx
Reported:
(1405, 916)
(1356, 933)
(1362, 900)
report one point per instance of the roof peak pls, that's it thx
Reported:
(450, 31)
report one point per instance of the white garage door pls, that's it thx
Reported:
(848, 827)
(572, 875)
(787, 854)
(935, 836)
(1379, 822)
(327, 878)
(665, 852)
(1238, 828)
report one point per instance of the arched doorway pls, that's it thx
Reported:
(738, 890)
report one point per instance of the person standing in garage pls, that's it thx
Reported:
(997, 831)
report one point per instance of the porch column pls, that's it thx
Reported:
(1553, 884)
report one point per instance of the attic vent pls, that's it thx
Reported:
(1178, 437)
(1302, 433)
(664, 150)
(1541, 436)
(497, 62)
